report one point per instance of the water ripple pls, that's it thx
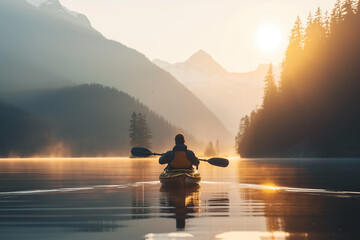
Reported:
(341, 194)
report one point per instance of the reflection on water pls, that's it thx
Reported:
(123, 199)
(183, 202)
(323, 199)
(253, 235)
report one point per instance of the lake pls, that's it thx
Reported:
(122, 198)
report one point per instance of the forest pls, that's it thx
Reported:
(22, 134)
(313, 110)
(81, 121)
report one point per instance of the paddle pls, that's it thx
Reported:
(144, 152)
(220, 162)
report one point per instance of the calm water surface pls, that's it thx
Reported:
(259, 199)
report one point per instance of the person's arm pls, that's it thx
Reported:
(192, 158)
(162, 159)
(165, 158)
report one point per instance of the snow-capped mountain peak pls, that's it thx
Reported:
(51, 4)
(55, 9)
(37, 3)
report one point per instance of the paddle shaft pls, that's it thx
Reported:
(144, 152)
(204, 160)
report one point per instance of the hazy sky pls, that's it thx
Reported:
(172, 30)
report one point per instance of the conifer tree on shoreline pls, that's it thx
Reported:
(270, 90)
(139, 131)
(210, 151)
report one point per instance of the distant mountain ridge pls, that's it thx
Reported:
(219, 89)
(52, 49)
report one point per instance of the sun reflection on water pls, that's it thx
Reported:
(270, 188)
(252, 235)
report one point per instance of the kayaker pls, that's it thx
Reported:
(180, 157)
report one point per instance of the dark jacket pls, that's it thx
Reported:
(169, 156)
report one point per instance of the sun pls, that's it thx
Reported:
(268, 37)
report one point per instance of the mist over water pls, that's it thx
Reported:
(123, 199)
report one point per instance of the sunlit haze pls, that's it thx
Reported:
(173, 30)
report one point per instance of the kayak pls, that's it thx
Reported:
(180, 177)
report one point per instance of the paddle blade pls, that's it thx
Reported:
(220, 162)
(141, 152)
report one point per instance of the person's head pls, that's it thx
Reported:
(179, 139)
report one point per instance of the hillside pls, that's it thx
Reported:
(47, 46)
(23, 135)
(93, 120)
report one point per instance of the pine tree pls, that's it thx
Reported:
(336, 16)
(139, 131)
(210, 151)
(308, 36)
(292, 55)
(315, 32)
(143, 131)
(318, 16)
(327, 24)
(270, 90)
(243, 128)
(133, 131)
(319, 28)
(347, 9)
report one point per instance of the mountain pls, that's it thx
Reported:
(219, 89)
(55, 9)
(46, 46)
(203, 62)
(22, 134)
(93, 120)
(199, 68)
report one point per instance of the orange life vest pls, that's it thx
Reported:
(180, 160)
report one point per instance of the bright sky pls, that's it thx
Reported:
(172, 30)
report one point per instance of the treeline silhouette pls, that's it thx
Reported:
(21, 134)
(93, 120)
(314, 110)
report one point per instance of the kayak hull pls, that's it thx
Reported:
(180, 177)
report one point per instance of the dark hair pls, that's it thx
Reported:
(179, 139)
